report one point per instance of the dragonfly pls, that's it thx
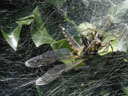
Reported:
(48, 58)
(91, 44)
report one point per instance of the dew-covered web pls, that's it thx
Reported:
(103, 75)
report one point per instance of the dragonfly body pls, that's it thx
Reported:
(74, 45)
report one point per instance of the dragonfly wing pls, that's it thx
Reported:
(51, 75)
(55, 72)
(48, 58)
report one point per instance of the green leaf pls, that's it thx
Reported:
(39, 33)
(61, 44)
(27, 20)
(125, 89)
(57, 3)
(13, 36)
(84, 28)
(118, 11)
(38, 91)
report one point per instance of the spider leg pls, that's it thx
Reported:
(109, 35)
(105, 50)
(85, 41)
(93, 35)
(107, 45)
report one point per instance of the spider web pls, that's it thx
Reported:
(102, 75)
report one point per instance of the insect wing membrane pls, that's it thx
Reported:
(51, 75)
(41, 60)
(55, 72)
(48, 58)
(63, 53)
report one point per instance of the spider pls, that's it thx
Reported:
(92, 43)
(95, 43)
